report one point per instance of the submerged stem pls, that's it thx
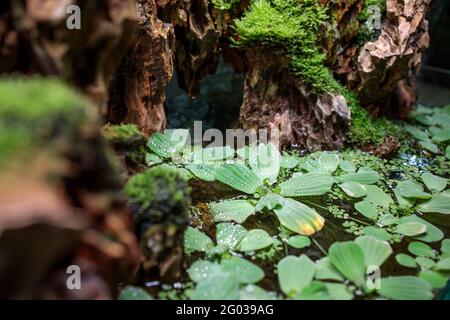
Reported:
(319, 246)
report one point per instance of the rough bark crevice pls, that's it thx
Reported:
(274, 99)
(137, 93)
(387, 66)
(35, 40)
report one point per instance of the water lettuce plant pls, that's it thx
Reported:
(343, 274)
(431, 129)
(371, 199)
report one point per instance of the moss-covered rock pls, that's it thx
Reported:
(129, 144)
(35, 112)
(291, 28)
(158, 195)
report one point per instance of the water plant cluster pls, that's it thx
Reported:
(273, 236)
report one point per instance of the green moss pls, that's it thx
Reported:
(366, 13)
(123, 133)
(291, 28)
(33, 110)
(158, 194)
(128, 141)
(366, 130)
(223, 5)
(365, 34)
(35, 98)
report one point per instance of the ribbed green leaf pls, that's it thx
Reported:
(439, 203)
(375, 251)
(329, 162)
(378, 196)
(411, 189)
(230, 234)
(255, 239)
(339, 291)
(178, 137)
(161, 145)
(348, 259)
(295, 273)
(434, 182)
(201, 269)
(377, 233)
(421, 249)
(406, 260)
(445, 246)
(289, 161)
(310, 184)
(218, 285)
(411, 229)
(353, 189)
(315, 291)
(441, 135)
(405, 288)
(265, 162)
(246, 271)
(367, 209)
(253, 292)
(217, 153)
(205, 171)
(232, 210)
(430, 146)
(311, 165)
(269, 201)
(347, 166)
(239, 177)
(402, 201)
(363, 177)
(417, 133)
(152, 159)
(326, 271)
(443, 264)
(425, 263)
(195, 240)
(433, 234)
(299, 242)
(134, 293)
(435, 279)
(299, 218)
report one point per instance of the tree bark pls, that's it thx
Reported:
(387, 67)
(137, 94)
(34, 39)
(274, 99)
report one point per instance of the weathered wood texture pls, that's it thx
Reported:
(34, 38)
(387, 66)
